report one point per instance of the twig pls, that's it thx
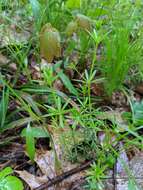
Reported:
(114, 175)
(12, 156)
(65, 175)
(8, 140)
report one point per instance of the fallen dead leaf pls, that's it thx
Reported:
(45, 161)
(8, 36)
(115, 117)
(52, 164)
(122, 159)
(139, 89)
(129, 170)
(97, 89)
(32, 180)
(3, 59)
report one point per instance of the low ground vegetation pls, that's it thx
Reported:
(71, 88)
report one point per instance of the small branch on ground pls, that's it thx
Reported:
(65, 175)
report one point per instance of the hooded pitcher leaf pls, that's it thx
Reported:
(49, 43)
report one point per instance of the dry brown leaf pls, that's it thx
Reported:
(135, 167)
(52, 164)
(10, 36)
(58, 85)
(121, 158)
(139, 89)
(97, 89)
(45, 161)
(3, 59)
(115, 117)
(32, 180)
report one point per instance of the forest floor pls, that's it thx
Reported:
(71, 90)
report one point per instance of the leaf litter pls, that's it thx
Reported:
(51, 164)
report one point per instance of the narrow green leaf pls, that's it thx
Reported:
(67, 83)
(31, 102)
(17, 123)
(30, 143)
(3, 106)
(132, 185)
(37, 89)
(36, 8)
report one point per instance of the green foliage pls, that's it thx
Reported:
(5, 172)
(4, 106)
(37, 132)
(122, 51)
(67, 83)
(73, 4)
(132, 185)
(30, 143)
(137, 109)
(9, 182)
(116, 59)
(98, 41)
(30, 133)
(95, 175)
(48, 74)
(36, 8)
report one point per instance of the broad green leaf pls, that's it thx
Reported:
(11, 183)
(30, 143)
(73, 4)
(67, 83)
(71, 28)
(37, 132)
(49, 43)
(6, 171)
(83, 21)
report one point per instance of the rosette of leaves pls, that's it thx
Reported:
(49, 42)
